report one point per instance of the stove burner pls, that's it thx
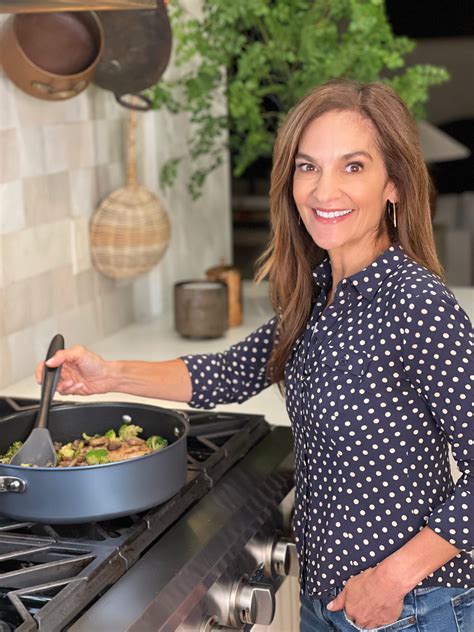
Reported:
(50, 574)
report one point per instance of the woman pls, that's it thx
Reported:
(372, 352)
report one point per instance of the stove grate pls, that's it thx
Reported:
(49, 574)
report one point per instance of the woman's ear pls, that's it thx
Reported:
(391, 192)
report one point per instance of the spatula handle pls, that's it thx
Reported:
(49, 382)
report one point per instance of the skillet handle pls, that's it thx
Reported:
(144, 103)
(12, 484)
(185, 420)
(49, 382)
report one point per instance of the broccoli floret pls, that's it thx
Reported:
(156, 442)
(97, 456)
(87, 437)
(12, 450)
(129, 431)
(67, 451)
(111, 434)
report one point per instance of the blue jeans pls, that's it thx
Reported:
(431, 609)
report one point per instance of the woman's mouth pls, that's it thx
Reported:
(331, 216)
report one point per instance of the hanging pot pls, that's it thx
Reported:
(136, 53)
(51, 56)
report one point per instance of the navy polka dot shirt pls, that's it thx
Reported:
(378, 386)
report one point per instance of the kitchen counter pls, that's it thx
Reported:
(157, 340)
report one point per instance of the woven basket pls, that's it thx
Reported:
(130, 230)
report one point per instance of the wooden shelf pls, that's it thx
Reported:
(36, 6)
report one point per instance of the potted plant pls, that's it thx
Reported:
(260, 57)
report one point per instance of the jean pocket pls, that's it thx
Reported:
(463, 608)
(425, 590)
(400, 624)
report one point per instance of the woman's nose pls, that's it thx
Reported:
(326, 188)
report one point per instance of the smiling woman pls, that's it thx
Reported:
(315, 169)
(374, 356)
(340, 187)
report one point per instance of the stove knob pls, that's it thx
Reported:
(255, 603)
(284, 558)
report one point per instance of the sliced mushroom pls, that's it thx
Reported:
(128, 452)
(98, 441)
(136, 441)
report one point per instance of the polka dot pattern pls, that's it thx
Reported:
(378, 386)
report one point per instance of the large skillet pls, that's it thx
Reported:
(81, 494)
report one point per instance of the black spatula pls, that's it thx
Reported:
(38, 449)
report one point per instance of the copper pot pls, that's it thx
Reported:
(51, 56)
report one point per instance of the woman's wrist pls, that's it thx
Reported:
(392, 573)
(115, 375)
(416, 559)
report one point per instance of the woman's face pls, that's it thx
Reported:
(340, 185)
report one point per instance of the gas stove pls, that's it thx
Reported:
(211, 558)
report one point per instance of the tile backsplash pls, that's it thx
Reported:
(58, 160)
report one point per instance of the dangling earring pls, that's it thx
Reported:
(299, 220)
(392, 208)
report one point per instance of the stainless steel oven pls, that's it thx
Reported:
(211, 558)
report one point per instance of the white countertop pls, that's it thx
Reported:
(157, 340)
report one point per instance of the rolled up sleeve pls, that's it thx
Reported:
(234, 375)
(437, 351)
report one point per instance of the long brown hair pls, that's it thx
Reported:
(292, 254)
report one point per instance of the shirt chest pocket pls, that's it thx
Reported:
(341, 373)
(347, 360)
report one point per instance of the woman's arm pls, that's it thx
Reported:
(234, 375)
(86, 373)
(203, 380)
(160, 380)
(374, 597)
(440, 367)
(416, 559)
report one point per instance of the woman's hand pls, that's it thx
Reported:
(83, 372)
(369, 600)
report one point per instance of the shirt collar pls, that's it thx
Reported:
(368, 281)
(322, 273)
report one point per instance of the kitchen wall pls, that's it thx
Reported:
(57, 162)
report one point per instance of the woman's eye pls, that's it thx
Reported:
(354, 167)
(305, 167)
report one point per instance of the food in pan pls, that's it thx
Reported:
(110, 447)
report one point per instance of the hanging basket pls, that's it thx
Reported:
(130, 230)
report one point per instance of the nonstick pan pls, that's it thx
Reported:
(82, 494)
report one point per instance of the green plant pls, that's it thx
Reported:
(260, 57)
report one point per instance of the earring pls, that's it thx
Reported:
(392, 207)
(299, 219)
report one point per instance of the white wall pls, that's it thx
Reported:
(58, 160)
